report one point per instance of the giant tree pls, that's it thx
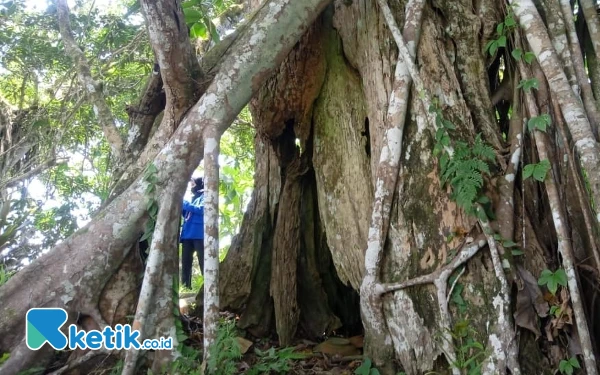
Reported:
(437, 160)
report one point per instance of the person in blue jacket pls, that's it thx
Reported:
(192, 233)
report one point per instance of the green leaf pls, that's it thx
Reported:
(541, 170)
(152, 169)
(552, 286)
(189, 4)
(33, 371)
(198, 30)
(529, 56)
(517, 54)
(192, 15)
(153, 211)
(364, 368)
(146, 236)
(493, 47)
(561, 277)
(444, 159)
(483, 199)
(4, 358)
(151, 188)
(500, 28)
(517, 252)
(565, 367)
(537, 171)
(448, 124)
(528, 171)
(502, 41)
(553, 279)
(439, 134)
(149, 204)
(181, 337)
(545, 276)
(481, 215)
(574, 362)
(212, 29)
(509, 243)
(539, 122)
(509, 21)
(528, 84)
(438, 120)
(461, 328)
(445, 140)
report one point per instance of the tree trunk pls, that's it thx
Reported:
(279, 269)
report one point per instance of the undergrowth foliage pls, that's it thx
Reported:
(274, 361)
(470, 353)
(226, 352)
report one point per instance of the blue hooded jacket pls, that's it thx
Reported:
(193, 219)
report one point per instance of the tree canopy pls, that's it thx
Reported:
(57, 167)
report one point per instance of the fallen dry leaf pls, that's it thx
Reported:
(357, 341)
(530, 303)
(338, 346)
(244, 344)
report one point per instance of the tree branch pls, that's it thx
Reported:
(89, 85)
(440, 278)
(179, 68)
(211, 239)
(387, 174)
(467, 252)
(581, 196)
(160, 274)
(505, 212)
(572, 109)
(154, 99)
(578, 63)
(32, 172)
(564, 244)
(79, 361)
(502, 341)
(593, 25)
(143, 115)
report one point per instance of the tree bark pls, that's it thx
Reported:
(573, 111)
(211, 239)
(279, 270)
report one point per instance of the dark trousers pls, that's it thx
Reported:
(187, 259)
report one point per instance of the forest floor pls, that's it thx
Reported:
(333, 355)
(239, 353)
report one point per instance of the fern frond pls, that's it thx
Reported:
(483, 150)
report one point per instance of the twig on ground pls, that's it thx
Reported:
(79, 361)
